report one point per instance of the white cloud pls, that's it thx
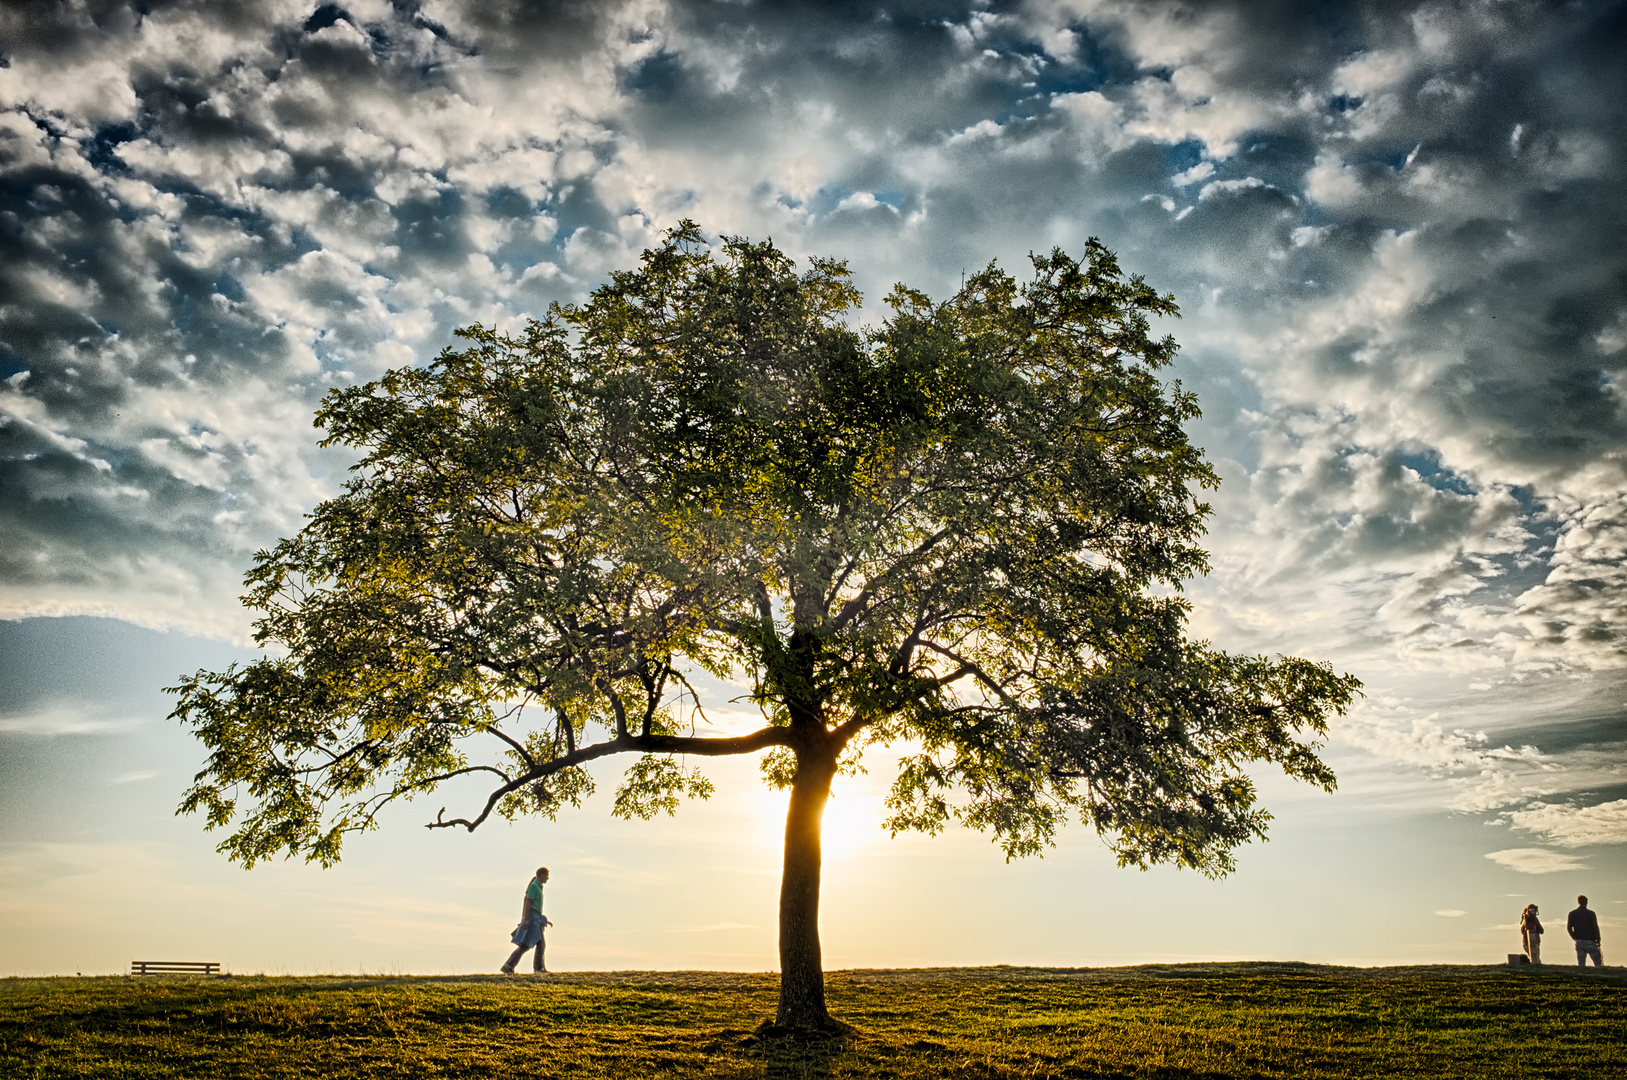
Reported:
(1371, 72)
(983, 129)
(1201, 171)
(1475, 775)
(860, 200)
(1191, 104)
(62, 721)
(1613, 338)
(1579, 611)
(593, 252)
(1097, 121)
(1153, 35)
(1308, 235)
(1331, 182)
(1575, 826)
(1536, 861)
(1229, 187)
(1394, 425)
(1451, 913)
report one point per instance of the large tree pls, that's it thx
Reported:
(962, 532)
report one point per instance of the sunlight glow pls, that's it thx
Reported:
(852, 826)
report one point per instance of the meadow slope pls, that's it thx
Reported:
(1207, 1021)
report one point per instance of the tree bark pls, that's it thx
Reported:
(802, 972)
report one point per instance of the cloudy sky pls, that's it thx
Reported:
(1396, 233)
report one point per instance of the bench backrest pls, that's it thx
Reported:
(174, 967)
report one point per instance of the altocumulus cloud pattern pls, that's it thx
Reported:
(1396, 232)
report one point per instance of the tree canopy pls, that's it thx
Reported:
(962, 532)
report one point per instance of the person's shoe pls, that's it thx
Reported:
(506, 970)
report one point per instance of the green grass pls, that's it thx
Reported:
(1186, 1021)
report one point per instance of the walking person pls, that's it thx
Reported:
(528, 935)
(1531, 933)
(1583, 926)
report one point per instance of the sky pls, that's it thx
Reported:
(1398, 237)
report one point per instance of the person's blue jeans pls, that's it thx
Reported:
(1585, 949)
(533, 931)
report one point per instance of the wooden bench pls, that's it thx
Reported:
(174, 967)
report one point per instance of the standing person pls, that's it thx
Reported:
(1531, 933)
(1583, 926)
(532, 922)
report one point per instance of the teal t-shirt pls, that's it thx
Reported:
(533, 896)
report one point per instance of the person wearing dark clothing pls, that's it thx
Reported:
(1531, 933)
(1583, 927)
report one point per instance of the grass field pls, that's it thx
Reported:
(1187, 1021)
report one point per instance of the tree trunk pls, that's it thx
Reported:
(802, 974)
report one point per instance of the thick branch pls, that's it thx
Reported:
(843, 733)
(761, 739)
(566, 727)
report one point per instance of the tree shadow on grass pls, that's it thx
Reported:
(801, 1061)
(797, 1056)
(820, 1059)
